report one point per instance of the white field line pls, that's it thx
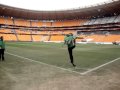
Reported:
(84, 73)
(41, 62)
(91, 70)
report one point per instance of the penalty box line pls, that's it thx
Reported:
(32, 60)
(84, 73)
(98, 67)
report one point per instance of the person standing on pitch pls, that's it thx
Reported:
(69, 40)
(2, 48)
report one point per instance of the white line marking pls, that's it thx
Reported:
(84, 73)
(41, 62)
(99, 66)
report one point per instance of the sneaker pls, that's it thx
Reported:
(74, 65)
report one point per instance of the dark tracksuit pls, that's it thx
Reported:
(71, 46)
(70, 49)
(2, 49)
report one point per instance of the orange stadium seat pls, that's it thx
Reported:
(111, 38)
(46, 24)
(22, 31)
(40, 24)
(69, 23)
(57, 38)
(34, 24)
(45, 38)
(102, 38)
(24, 37)
(9, 37)
(8, 21)
(20, 22)
(2, 20)
(36, 37)
(57, 24)
(6, 31)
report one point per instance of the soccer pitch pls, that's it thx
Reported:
(29, 61)
(85, 56)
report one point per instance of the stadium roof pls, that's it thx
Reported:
(101, 10)
(52, 5)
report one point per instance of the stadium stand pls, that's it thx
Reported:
(69, 23)
(19, 22)
(8, 21)
(55, 31)
(22, 37)
(36, 37)
(57, 38)
(113, 19)
(2, 20)
(9, 37)
(95, 24)
(58, 35)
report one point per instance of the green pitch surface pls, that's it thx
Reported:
(39, 62)
(85, 56)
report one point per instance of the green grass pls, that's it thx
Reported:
(85, 55)
(21, 74)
